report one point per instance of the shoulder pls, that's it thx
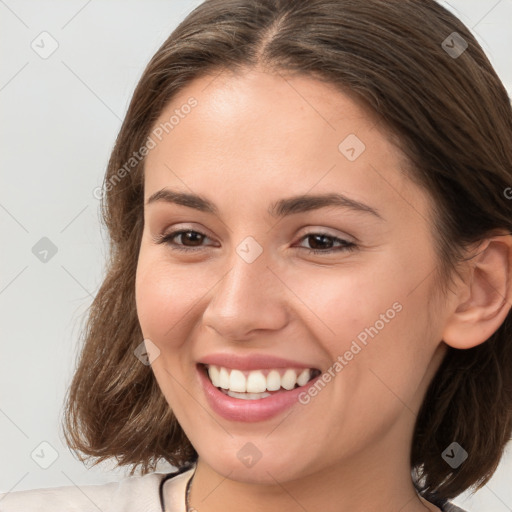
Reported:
(443, 504)
(136, 493)
(450, 507)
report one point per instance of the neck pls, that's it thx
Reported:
(377, 483)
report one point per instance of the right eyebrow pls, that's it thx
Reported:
(191, 200)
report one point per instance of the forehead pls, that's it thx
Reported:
(267, 135)
(269, 107)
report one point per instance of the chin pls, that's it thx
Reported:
(265, 470)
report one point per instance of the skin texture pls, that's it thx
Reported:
(252, 139)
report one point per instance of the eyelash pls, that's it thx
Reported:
(166, 239)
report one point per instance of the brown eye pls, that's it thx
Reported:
(323, 243)
(190, 239)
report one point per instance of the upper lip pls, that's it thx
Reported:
(251, 362)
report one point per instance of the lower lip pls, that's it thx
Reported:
(238, 409)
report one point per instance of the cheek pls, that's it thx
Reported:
(375, 317)
(390, 334)
(163, 298)
(339, 304)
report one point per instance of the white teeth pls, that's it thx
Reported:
(254, 384)
(247, 396)
(273, 380)
(289, 379)
(213, 371)
(223, 378)
(303, 378)
(237, 381)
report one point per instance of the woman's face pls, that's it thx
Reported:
(248, 289)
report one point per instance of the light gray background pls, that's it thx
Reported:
(61, 115)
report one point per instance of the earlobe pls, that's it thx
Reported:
(485, 298)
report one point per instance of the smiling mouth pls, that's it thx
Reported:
(257, 384)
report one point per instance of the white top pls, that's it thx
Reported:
(133, 494)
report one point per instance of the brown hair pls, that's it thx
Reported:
(452, 118)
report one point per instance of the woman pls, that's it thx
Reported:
(307, 304)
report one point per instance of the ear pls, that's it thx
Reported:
(485, 298)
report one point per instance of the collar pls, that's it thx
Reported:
(173, 487)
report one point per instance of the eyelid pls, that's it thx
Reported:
(174, 228)
(317, 230)
(345, 245)
(311, 230)
(161, 238)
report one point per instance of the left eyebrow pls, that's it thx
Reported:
(304, 203)
(282, 208)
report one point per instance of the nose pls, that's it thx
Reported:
(251, 297)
